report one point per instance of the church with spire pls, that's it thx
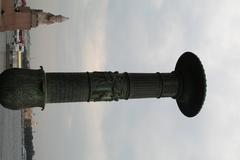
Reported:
(24, 17)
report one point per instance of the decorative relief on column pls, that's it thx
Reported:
(108, 86)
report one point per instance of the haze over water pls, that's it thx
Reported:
(10, 121)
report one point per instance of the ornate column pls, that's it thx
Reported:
(23, 88)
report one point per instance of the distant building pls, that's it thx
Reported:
(28, 114)
(24, 17)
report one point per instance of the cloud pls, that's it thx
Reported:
(76, 45)
(158, 38)
(93, 37)
(145, 36)
(156, 3)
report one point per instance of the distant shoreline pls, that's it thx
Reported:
(20, 58)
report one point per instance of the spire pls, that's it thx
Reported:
(58, 18)
(24, 17)
(48, 18)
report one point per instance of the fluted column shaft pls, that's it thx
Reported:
(108, 86)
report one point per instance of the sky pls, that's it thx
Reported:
(140, 36)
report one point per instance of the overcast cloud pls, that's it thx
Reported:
(140, 36)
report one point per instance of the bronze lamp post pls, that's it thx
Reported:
(24, 88)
